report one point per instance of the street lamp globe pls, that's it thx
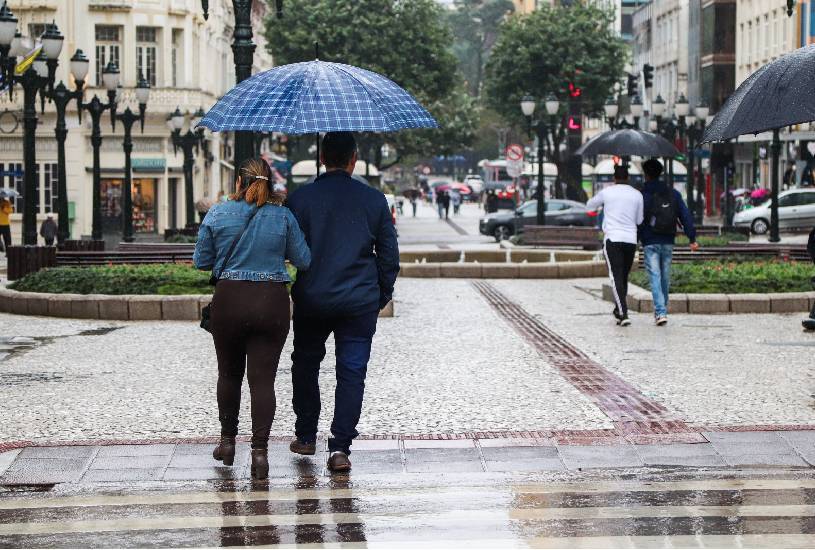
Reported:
(611, 107)
(40, 65)
(690, 119)
(110, 76)
(636, 106)
(79, 66)
(528, 105)
(177, 119)
(17, 47)
(52, 41)
(552, 104)
(120, 92)
(142, 91)
(658, 106)
(681, 106)
(702, 110)
(8, 25)
(652, 125)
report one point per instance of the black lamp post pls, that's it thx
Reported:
(243, 50)
(552, 106)
(39, 77)
(62, 97)
(128, 118)
(95, 107)
(189, 141)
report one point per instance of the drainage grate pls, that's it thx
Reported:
(629, 410)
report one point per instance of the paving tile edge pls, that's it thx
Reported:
(577, 269)
(641, 301)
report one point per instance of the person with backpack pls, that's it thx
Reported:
(664, 211)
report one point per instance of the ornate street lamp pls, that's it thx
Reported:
(552, 106)
(188, 142)
(128, 118)
(62, 97)
(95, 107)
(36, 79)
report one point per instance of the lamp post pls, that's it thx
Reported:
(39, 77)
(775, 148)
(552, 106)
(62, 97)
(128, 118)
(187, 142)
(95, 108)
(702, 111)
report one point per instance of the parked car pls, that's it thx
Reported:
(501, 225)
(474, 182)
(796, 208)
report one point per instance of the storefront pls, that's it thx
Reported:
(144, 193)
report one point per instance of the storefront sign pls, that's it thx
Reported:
(148, 165)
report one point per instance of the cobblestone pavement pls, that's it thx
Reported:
(447, 363)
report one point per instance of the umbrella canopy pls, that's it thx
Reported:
(776, 95)
(456, 186)
(628, 143)
(6, 193)
(316, 96)
(759, 194)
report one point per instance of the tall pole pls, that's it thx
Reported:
(540, 194)
(243, 51)
(776, 151)
(31, 83)
(189, 161)
(62, 97)
(128, 118)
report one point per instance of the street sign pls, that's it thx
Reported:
(515, 152)
(514, 168)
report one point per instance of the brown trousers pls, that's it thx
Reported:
(250, 322)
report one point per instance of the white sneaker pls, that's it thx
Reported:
(661, 321)
(625, 322)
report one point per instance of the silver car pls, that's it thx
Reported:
(796, 208)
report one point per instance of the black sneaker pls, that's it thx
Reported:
(808, 324)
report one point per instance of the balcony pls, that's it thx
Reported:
(34, 5)
(115, 5)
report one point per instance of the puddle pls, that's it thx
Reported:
(14, 346)
(98, 331)
(21, 379)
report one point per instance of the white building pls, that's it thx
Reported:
(763, 33)
(188, 62)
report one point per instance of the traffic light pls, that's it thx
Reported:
(632, 84)
(648, 75)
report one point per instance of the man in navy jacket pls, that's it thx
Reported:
(355, 261)
(658, 247)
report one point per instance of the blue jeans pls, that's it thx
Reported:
(658, 265)
(352, 339)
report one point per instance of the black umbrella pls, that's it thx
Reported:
(626, 143)
(776, 95)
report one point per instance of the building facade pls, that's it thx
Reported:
(188, 62)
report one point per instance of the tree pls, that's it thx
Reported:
(543, 52)
(475, 28)
(408, 42)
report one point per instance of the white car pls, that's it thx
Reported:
(475, 183)
(796, 208)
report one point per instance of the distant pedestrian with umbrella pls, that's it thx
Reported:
(622, 213)
(5, 222)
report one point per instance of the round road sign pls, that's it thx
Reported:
(515, 152)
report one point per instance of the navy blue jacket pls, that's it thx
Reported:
(354, 252)
(646, 235)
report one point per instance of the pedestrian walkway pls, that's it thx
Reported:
(427, 229)
(674, 509)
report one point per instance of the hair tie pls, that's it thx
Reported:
(261, 178)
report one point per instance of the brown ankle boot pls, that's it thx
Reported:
(225, 451)
(260, 464)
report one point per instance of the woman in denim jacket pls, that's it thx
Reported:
(250, 308)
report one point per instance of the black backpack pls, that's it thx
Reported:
(663, 212)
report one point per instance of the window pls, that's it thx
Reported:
(146, 53)
(107, 49)
(802, 199)
(787, 200)
(35, 30)
(49, 188)
(11, 177)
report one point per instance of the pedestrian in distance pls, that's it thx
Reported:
(245, 242)
(48, 230)
(446, 200)
(809, 324)
(355, 261)
(789, 176)
(5, 223)
(622, 212)
(414, 201)
(455, 198)
(202, 206)
(664, 212)
(440, 203)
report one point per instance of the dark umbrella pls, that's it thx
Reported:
(776, 95)
(626, 143)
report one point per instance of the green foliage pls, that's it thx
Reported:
(179, 238)
(735, 278)
(406, 41)
(713, 240)
(164, 279)
(541, 53)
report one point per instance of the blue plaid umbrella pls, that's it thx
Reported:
(317, 96)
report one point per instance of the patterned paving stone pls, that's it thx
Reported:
(59, 452)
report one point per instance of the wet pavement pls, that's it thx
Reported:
(603, 509)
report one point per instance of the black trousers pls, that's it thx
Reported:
(5, 234)
(250, 322)
(619, 258)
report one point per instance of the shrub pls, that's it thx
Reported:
(180, 238)
(735, 277)
(713, 240)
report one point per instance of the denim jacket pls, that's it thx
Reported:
(272, 237)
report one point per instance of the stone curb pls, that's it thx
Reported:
(505, 270)
(640, 300)
(126, 307)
